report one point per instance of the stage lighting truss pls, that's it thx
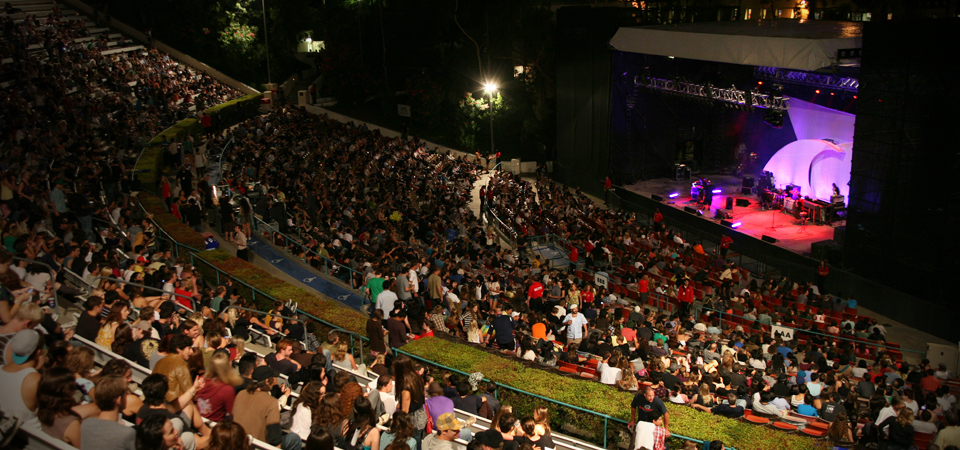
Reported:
(734, 97)
(821, 80)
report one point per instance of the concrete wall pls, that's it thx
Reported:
(176, 54)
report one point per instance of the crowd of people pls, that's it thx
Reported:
(431, 267)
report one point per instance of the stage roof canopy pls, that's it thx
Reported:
(810, 45)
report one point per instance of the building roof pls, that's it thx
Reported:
(789, 44)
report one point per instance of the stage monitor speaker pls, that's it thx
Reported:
(726, 223)
(690, 210)
(743, 202)
(746, 191)
(747, 182)
(656, 198)
(840, 234)
(729, 202)
(769, 239)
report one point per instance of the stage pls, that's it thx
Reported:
(754, 221)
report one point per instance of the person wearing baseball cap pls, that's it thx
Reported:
(19, 380)
(448, 429)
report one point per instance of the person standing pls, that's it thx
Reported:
(685, 295)
(435, 287)
(503, 326)
(646, 406)
(607, 184)
(240, 239)
(576, 325)
(822, 271)
(725, 242)
(657, 220)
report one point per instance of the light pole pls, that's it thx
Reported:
(266, 42)
(490, 88)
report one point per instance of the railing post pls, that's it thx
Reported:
(604, 432)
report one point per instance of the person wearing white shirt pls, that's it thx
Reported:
(609, 374)
(303, 409)
(387, 299)
(414, 279)
(576, 325)
(896, 404)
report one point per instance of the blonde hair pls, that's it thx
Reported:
(239, 344)
(220, 369)
(905, 417)
(341, 353)
(80, 361)
(197, 317)
(705, 393)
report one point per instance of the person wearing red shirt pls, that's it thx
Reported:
(685, 295)
(182, 297)
(725, 242)
(643, 287)
(573, 256)
(607, 184)
(930, 383)
(657, 219)
(822, 271)
(535, 296)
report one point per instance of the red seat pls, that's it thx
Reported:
(587, 372)
(922, 440)
(784, 426)
(814, 432)
(757, 419)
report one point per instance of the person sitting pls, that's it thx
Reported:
(280, 360)
(154, 389)
(766, 408)
(807, 408)
(104, 430)
(260, 414)
(729, 408)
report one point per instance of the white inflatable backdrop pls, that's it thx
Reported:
(820, 156)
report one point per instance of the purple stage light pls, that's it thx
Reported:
(674, 195)
(716, 191)
(736, 224)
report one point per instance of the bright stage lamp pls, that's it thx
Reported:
(716, 191)
(674, 195)
(490, 87)
(736, 224)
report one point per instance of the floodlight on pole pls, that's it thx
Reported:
(490, 88)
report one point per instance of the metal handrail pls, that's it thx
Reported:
(193, 304)
(721, 314)
(327, 262)
(606, 418)
(256, 291)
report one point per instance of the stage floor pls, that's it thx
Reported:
(755, 222)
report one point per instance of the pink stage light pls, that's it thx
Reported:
(716, 191)
(674, 195)
(736, 224)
